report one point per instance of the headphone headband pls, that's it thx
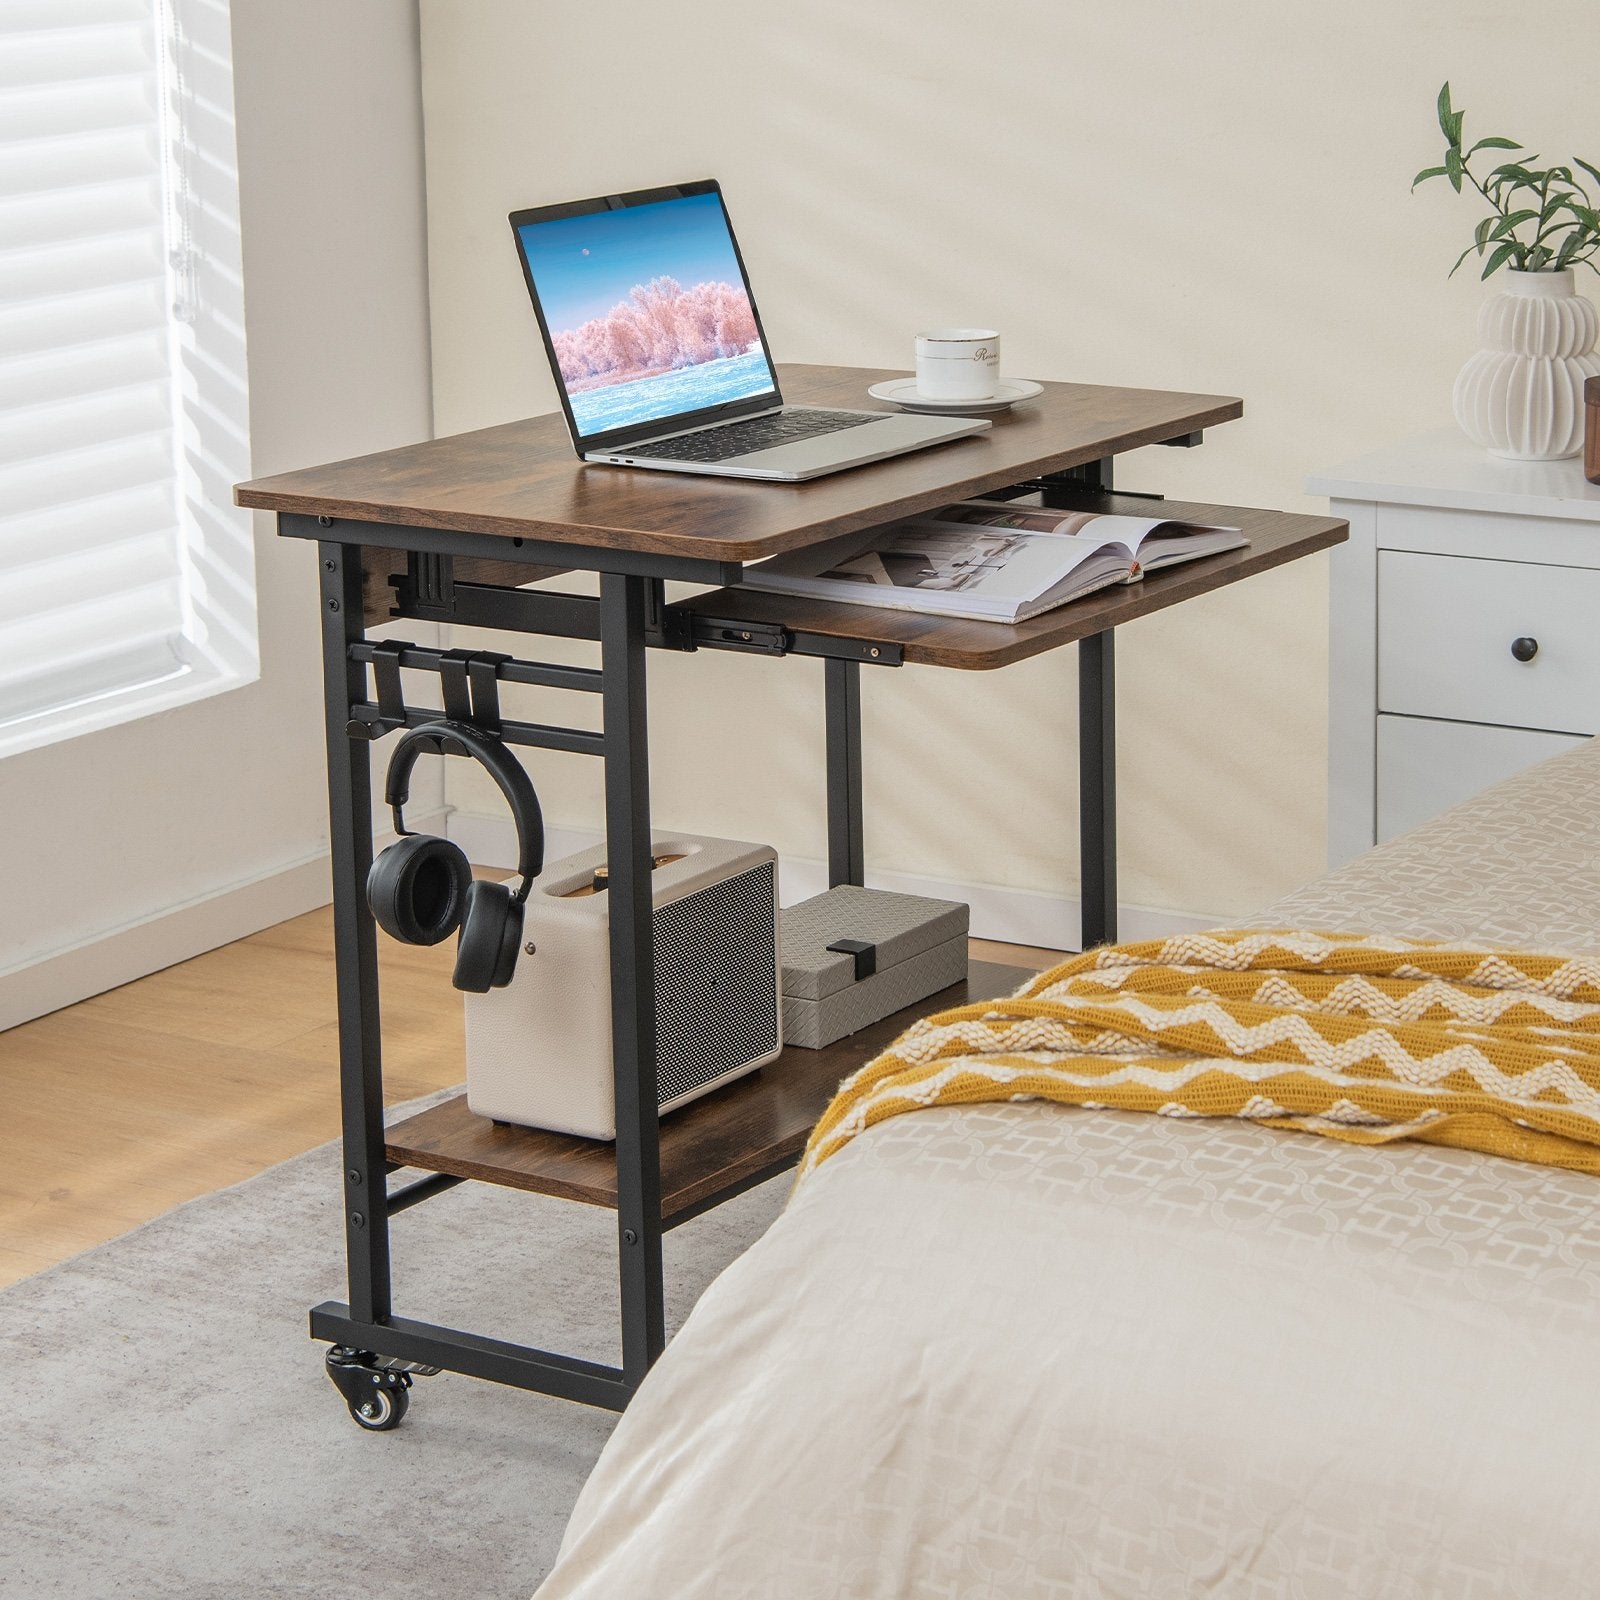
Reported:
(450, 738)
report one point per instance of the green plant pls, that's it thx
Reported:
(1564, 220)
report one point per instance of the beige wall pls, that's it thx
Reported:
(1209, 197)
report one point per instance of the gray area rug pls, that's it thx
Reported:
(167, 1432)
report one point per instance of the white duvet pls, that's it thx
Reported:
(1030, 1351)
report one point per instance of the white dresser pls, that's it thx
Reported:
(1465, 629)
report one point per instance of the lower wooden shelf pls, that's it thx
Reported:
(753, 1127)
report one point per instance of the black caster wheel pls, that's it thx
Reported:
(381, 1409)
(377, 1390)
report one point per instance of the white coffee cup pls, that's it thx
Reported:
(958, 363)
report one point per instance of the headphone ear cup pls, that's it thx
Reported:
(417, 889)
(491, 935)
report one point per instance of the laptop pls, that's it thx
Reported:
(657, 347)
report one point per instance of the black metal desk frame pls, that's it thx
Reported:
(628, 617)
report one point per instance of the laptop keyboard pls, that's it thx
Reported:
(754, 433)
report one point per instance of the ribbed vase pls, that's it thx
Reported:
(1521, 396)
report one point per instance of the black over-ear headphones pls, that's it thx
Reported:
(421, 889)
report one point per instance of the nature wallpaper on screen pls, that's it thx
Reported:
(647, 311)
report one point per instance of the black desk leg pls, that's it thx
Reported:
(847, 862)
(355, 942)
(1097, 788)
(633, 1033)
(1097, 743)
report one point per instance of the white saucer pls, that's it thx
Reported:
(903, 393)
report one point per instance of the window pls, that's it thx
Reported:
(126, 576)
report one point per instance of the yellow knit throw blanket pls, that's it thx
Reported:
(1356, 1037)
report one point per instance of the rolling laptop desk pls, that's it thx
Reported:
(446, 531)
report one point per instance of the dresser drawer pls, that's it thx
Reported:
(1427, 767)
(1445, 631)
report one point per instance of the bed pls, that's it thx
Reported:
(1027, 1350)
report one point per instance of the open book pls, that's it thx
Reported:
(988, 560)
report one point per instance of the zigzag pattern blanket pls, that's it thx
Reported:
(1354, 1037)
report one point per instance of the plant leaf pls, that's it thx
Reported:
(1507, 183)
(1452, 167)
(1480, 234)
(1427, 172)
(1586, 215)
(1445, 112)
(1504, 228)
(1594, 172)
(1463, 256)
(1493, 144)
(1497, 259)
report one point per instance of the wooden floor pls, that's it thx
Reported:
(116, 1109)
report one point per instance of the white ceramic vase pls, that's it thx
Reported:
(1521, 396)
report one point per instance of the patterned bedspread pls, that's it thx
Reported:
(1366, 1038)
(1027, 1350)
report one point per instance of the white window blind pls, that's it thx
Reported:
(97, 561)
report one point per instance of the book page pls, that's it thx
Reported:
(980, 562)
(1030, 519)
(1097, 528)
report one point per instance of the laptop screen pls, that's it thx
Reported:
(646, 310)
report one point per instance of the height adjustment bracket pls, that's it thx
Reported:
(427, 588)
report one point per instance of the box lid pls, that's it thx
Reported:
(899, 925)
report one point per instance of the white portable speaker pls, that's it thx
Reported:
(539, 1050)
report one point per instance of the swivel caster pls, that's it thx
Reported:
(381, 1408)
(376, 1388)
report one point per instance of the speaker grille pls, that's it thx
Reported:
(716, 981)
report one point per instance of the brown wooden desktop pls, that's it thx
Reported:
(447, 530)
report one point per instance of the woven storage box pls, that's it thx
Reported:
(916, 947)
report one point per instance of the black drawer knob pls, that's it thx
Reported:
(1524, 649)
